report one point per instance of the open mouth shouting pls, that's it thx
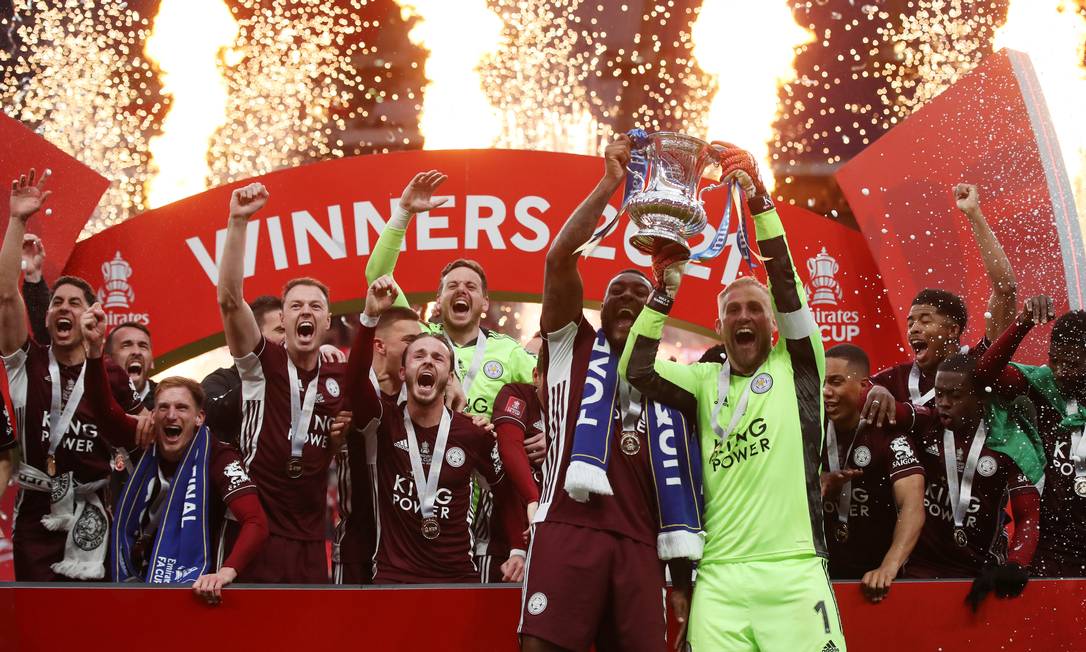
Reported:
(134, 368)
(745, 336)
(172, 432)
(461, 306)
(426, 379)
(306, 329)
(64, 325)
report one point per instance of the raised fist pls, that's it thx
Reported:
(380, 297)
(616, 157)
(967, 198)
(27, 196)
(668, 265)
(248, 200)
(739, 164)
(93, 326)
(417, 197)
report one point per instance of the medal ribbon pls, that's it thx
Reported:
(723, 384)
(476, 360)
(426, 483)
(961, 494)
(301, 410)
(914, 388)
(630, 406)
(60, 419)
(844, 501)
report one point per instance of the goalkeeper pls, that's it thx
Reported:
(762, 583)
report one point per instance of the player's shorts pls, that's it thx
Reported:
(786, 605)
(585, 586)
(287, 561)
(490, 568)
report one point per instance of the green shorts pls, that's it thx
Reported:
(786, 605)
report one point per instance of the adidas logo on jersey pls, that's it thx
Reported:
(830, 647)
(402, 445)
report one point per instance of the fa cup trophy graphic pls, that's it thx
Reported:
(824, 290)
(116, 293)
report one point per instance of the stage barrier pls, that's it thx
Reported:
(916, 617)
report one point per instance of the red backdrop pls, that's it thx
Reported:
(323, 219)
(990, 129)
(917, 617)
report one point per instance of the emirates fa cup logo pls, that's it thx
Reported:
(824, 289)
(116, 293)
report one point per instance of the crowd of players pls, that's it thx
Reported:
(462, 456)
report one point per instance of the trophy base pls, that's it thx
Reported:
(650, 241)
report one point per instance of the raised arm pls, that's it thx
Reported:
(1001, 304)
(242, 331)
(35, 289)
(118, 427)
(27, 196)
(417, 197)
(993, 368)
(365, 401)
(563, 291)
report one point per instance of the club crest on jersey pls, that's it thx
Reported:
(537, 604)
(987, 466)
(455, 457)
(861, 456)
(493, 369)
(762, 383)
(332, 387)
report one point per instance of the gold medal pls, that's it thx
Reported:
(1080, 487)
(51, 466)
(294, 468)
(630, 443)
(431, 529)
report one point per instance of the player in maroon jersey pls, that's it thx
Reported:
(352, 552)
(963, 534)
(593, 575)
(937, 321)
(518, 418)
(290, 398)
(875, 509)
(62, 446)
(1057, 392)
(173, 425)
(425, 458)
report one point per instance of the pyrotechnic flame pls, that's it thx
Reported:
(751, 48)
(187, 42)
(459, 35)
(1053, 34)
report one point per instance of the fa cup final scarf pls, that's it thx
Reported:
(673, 450)
(180, 552)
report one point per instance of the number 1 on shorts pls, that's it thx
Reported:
(820, 607)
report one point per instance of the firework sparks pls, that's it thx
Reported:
(290, 85)
(749, 69)
(459, 35)
(79, 80)
(187, 42)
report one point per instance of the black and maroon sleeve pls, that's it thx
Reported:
(120, 428)
(239, 495)
(364, 400)
(510, 417)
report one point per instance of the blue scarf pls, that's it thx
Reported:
(673, 450)
(181, 551)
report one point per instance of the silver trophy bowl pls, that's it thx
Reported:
(665, 204)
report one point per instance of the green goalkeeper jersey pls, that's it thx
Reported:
(762, 491)
(503, 360)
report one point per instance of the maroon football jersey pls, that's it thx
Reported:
(896, 378)
(1063, 512)
(631, 511)
(884, 458)
(995, 479)
(295, 507)
(517, 403)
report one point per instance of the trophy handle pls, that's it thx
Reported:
(710, 188)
